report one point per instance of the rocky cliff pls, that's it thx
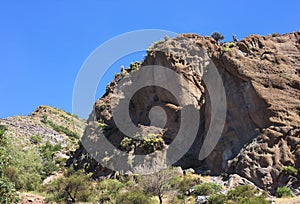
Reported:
(261, 134)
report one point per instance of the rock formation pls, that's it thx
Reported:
(261, 134)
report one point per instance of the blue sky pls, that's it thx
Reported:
(44, 43)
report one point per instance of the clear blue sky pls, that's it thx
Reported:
(44, 43)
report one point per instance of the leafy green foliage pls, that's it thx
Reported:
(25, 164)
(74, 188)
(8, 192)
(207, 188)
(284, 192)
(47, 152)
(133, 197)
(289, 170)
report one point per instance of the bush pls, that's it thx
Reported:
(289, 170)
(8, 192)
(217, 36)
(75, 188)
(35, 139)
(110, 186)
(284, 192)
(133, 197)
(207, 188)
(25, 164)
(275, 34)
(63, 129)
(216, 199)
(152, 142)
(135, 65)
(44, 119)
(246, 195)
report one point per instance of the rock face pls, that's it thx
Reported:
(261, 134)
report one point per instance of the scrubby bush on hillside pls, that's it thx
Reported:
(284, 192)
(246, 195)
(289, 170)
(217, 36)
(8, 192)
(63, 129)
(133, 197)
(73, 188)
(25, 164)
(207, 188)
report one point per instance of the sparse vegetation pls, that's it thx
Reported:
(35, 139)
(73, 188)
(246, 195)
(133, 197)
(135, 65)
(63, 129)
(289, 170)
(8, 193)
(275, 34)
(217, 36)
(157, 183)
(207, 188)
(284, 192)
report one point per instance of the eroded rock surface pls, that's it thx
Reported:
(261, 133)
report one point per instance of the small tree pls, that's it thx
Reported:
(217, 36)
(75, 188)
(157, 183)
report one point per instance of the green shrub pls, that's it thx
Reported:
(284, 192)
(135, 65)
(75, 188)
(44, 119)
(63, 129)
(207, 188)
(133, 197)
(8, 192)
(126, 143)
(289, 170)
(48, 168)
(48, 150)
(246, 195)
(152, 142)
(35, 139)
(25, 164)
(275, 34)
(110, 186)
(217, 199)
(186, 183)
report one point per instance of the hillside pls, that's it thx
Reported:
(34, 148)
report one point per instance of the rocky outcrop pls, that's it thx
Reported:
(260, 76)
